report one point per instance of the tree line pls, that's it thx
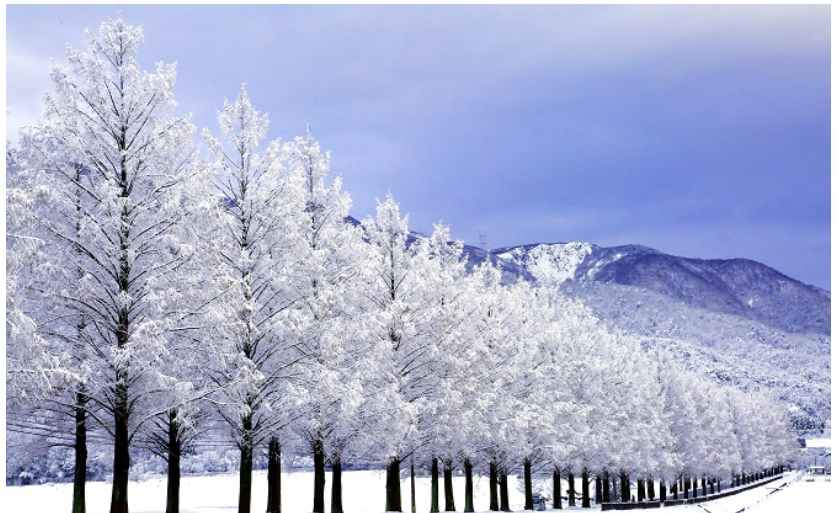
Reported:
(165, 288)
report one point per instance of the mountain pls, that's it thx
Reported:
(734, 286)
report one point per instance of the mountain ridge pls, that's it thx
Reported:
(738, 286)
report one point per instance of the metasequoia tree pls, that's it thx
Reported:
(449, 303)
(246, 237)
(112, 164)
(45, 357)
(495, 326)
(395, 310)
(324, 284)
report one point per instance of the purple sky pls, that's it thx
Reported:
(699, 131)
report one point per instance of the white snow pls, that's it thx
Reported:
(797, 496)
(800, 495)
(818, 443)
(364, 493)
(553, 263)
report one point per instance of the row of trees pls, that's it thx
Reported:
(157, 292)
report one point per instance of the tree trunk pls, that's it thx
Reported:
(392, 487)
(121, 406)
(493, 486)
(704, 486)
(448, 489)
(662, 490)
(119, 491)
(173, 465)
(337, 503)
(505, 491)
(468, 504)
(685, 487)
(435, 491)
(624, 487)
(528, 486)
(246, 464)
(572, 498)
(650, 490)
(80, 414)
(173, 483)
(275, 470)
(674, 489)
(642, 493)
(320, 476)
(80, 449)
(586, 498)
(413, 490)
(693, 487)
(557, 489)
(606, 495)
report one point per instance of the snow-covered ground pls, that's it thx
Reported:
(800, 496)
(792, 494)
(364, 493)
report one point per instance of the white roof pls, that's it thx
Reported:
(818, 443)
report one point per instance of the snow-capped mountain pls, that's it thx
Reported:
(734, 286)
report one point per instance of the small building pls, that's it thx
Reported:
(815, 456)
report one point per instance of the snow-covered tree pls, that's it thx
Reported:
(44, 360)
(721, 455)
(109, 166)
(395, 307)
(324, 283)
(32, 364)
(503, 344)
(450, 410)
(246, 238)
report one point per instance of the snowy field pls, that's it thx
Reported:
(364, 493)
